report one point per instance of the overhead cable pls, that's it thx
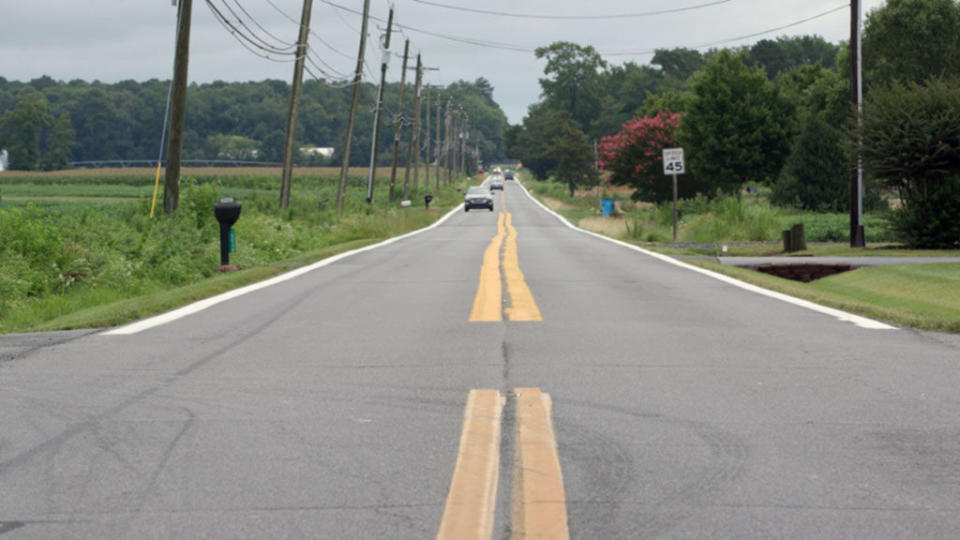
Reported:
(572, 17)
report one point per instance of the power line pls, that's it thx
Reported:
(738, 38)
(312, 33)
(572, 17)
(622, 52)
(246, 40)
(253, 37)
(247, 13)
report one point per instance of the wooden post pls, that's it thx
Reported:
(178, 104)
(289, 142)
(398, 122)
(357, 77)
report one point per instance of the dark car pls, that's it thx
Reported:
(477, 197)
(508, 175)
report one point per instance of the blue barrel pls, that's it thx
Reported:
(606, 207)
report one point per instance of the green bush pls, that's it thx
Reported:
(911, 140)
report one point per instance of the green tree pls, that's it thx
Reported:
(532, 145)
(573, 155)
(911, 141)
(737, 128)
(233, 147)
(815, 176)
(573, 82)
(911, 41)
(679, 63)
(21, 129)
(770, 56)
(59, 143)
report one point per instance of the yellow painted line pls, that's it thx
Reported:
(472, 498)
(488, 302)
(522, 305)
(539, 508)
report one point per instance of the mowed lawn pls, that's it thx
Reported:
(925, 296)
(926, 292)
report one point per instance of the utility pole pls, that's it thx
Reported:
(375, 143)
(437, 142)
(413, 148)
(398, 122)
(426, 180)
(857, 236)
(464, 133)
(289, 142)
(357, 77)
(448, 142)
(171, 185)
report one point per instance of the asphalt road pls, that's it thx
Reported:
(332, 405)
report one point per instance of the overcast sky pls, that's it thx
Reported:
(113, 40)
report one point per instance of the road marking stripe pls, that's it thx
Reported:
(862, 322)
(488, 302)
(469, 511)
(538, 508)
(522, 305)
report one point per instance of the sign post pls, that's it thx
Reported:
(672, 166)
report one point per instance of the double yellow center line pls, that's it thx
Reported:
(538, 501)
(488, 302)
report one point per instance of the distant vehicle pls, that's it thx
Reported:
(508, 175)
(496, 183)
(477, 197)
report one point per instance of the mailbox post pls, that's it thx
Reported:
(227, 212)
(426, 200)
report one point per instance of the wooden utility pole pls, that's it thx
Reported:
(375, 143)
(426, 125)
(437, 143)
(357, 77)
(413, 148)
(457, 133)
(448, 141)
(178, 104)
(289, 143)
(464, 133)
(857, 238)
(398, 121)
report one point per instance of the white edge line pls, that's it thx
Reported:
(200, 305)
(858, 320)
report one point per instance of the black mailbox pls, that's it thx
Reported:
(427, 198)
(227, 212)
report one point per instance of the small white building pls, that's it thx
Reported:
(323, 151)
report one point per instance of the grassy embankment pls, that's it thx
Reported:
(79, 250)
(918, 296)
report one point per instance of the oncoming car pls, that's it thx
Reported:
(496, 183)
(477, 197)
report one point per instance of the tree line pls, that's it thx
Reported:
(45, 123)
(777, 113)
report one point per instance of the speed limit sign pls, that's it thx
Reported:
(673, 161)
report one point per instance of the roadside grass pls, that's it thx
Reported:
(920, 296)
(107, 308)
(77, 261)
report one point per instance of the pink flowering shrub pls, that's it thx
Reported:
(634, 156)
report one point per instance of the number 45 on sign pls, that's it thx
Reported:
(673, 161)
